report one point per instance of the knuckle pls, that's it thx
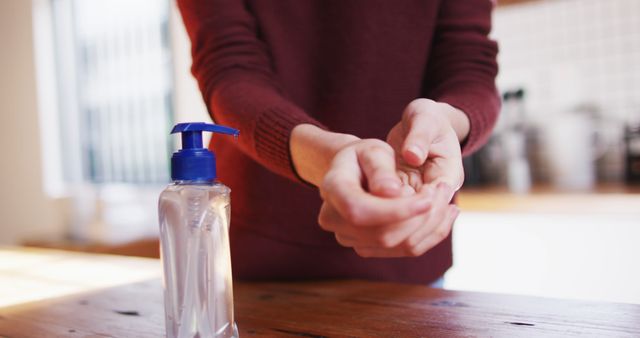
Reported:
(461, 179)
(363, 252)
(411, 246)
(368, 160)
(329, 182)
(401, 212)
(416, 251)
(410, 242)
(385, 241)
(324, 189)
(407, 246)
(416, 105)
(322, 192)
(353, 212)
(322, 220)
(413, 250)
(388, 240)
(376, 146)
(442, 232)
(341, 240)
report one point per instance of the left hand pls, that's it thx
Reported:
(427, 145)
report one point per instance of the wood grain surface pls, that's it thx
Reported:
(328, 309)
(323, 309)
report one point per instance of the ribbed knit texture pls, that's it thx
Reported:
(271, 136)
(346, 65)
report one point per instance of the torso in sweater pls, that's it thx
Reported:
(353, 66)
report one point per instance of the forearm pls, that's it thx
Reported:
(234, 71)
(312, 150)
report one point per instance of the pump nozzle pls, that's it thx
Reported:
(193, 162)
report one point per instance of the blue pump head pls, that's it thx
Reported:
(194, 162)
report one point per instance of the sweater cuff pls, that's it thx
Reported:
(482, 111)
(272, 134)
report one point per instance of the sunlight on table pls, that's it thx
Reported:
(28, 274)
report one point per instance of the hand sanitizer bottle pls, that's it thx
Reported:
(194, 241)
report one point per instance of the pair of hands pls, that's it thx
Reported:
(390, 199)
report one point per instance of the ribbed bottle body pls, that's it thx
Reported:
(194, 248)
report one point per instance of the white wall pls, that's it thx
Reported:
(25, 210)
(188, 103)
(572, 51)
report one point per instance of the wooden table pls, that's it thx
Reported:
(112, 296)
(611, 198)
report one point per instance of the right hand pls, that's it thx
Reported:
(368, 208)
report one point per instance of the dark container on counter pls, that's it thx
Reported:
(632, 150)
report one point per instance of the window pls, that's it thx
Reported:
(115, 90)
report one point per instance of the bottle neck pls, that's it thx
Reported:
(194, 182)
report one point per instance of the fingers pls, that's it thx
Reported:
(342, 189)
(407, 190)
(447, 190)
(447, 168)
(412, 237)
(404, 217)
(436, 217)
(363, 209)
(377, 161)
(349, 235)
(440, 233)
(406, 250)
(431, 231)
(434, 227)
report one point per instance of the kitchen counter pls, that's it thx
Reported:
(604, 198)
(551, 243)
(47, 293)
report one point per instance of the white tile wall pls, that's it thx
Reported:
(568, 52)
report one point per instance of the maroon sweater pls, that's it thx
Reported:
(346, 65)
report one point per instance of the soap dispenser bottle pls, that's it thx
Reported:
(194, 241)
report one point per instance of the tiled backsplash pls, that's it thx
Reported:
(574, 53)
(571, 52)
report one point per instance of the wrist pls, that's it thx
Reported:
(459, 122)
(312, 150)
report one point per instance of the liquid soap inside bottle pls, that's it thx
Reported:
(194, 214)
(195, 254)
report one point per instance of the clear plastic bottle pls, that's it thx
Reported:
(194, 219)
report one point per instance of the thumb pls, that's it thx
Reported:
(419, 136)
(377, 162)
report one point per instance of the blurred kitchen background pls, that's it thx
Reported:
(89, 90)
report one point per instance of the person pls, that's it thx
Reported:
(353, 118)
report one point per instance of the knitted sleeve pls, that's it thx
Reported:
(462, 66)
(234, 73)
